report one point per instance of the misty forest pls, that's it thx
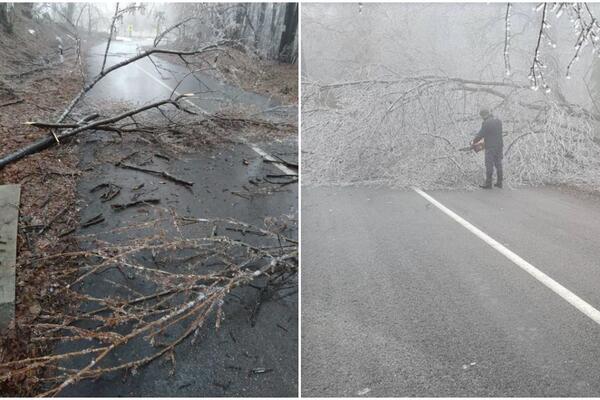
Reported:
(148, 190)
(394, 94)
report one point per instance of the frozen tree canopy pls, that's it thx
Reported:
(395, 92)
(268, 28)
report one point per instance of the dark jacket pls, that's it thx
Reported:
(491, 132)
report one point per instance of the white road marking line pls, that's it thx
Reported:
(283, 168)
(550, 283)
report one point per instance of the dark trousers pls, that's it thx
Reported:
(493, 158)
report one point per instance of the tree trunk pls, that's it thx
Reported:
(286, 45)
(5, 19)
(70, 11)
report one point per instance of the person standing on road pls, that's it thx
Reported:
(491, 133)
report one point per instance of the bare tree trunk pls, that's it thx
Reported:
(286, 53)
(5, 19)
(70, 11)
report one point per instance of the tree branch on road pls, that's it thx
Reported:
(178, 307)
(81, 127)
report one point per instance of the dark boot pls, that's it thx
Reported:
(486, 186)
(498, 184)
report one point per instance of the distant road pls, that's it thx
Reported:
(400, 299)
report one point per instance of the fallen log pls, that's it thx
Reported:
(51, 125)
(50, 140)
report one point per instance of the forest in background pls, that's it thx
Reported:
(268, 28)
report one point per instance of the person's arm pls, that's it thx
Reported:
(479, 135)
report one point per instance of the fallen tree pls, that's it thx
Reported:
(81, 126)
(144, 54)
(407, 131)
(46, 142)
(76, 128)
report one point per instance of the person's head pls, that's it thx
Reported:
(484, 113)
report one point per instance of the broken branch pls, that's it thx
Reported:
(49, 141)
(163, 174)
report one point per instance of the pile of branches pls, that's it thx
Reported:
(67, 126)
(409, 131)
(125, 121)
(162, 302)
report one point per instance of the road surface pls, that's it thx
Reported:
(219, 363)
(154, 79)
(399, 299)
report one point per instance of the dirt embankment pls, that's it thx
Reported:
(250, 72)
(266, 77)
(36, 85)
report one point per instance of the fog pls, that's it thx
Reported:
(269, 29)
(395, 91)
(459, 40)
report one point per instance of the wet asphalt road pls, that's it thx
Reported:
(400, 300)
(218, 364)
(152, 80)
